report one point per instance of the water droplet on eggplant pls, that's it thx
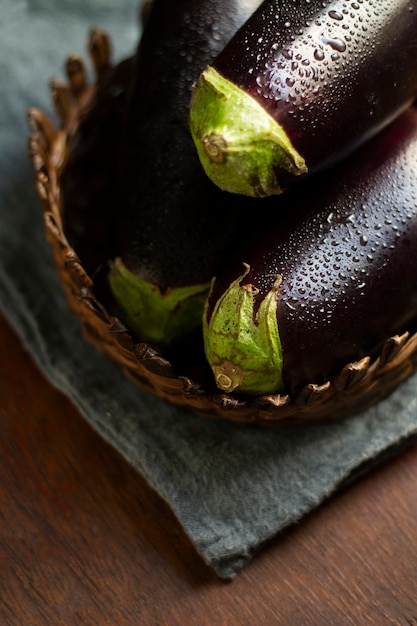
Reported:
(336, 44)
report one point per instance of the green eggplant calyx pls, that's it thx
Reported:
(239, 144)
(243, 349)
(156, 317)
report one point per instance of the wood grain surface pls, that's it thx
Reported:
(85, 541)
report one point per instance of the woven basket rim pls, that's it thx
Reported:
(356, 387)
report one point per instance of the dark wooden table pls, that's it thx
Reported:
(85, 541)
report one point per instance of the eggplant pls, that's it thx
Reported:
(327, 284)
(300, 86)
(175, 225)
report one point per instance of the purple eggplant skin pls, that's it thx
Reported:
(174, 224)
(168, 230)
(331, 73)
(346, 254)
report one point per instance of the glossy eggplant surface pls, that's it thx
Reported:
(300, 86)
(174, 224)
(328, 284)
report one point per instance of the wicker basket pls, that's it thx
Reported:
(356, 387)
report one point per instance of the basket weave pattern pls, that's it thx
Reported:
(356, 387)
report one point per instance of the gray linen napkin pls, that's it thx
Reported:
(231, 487)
